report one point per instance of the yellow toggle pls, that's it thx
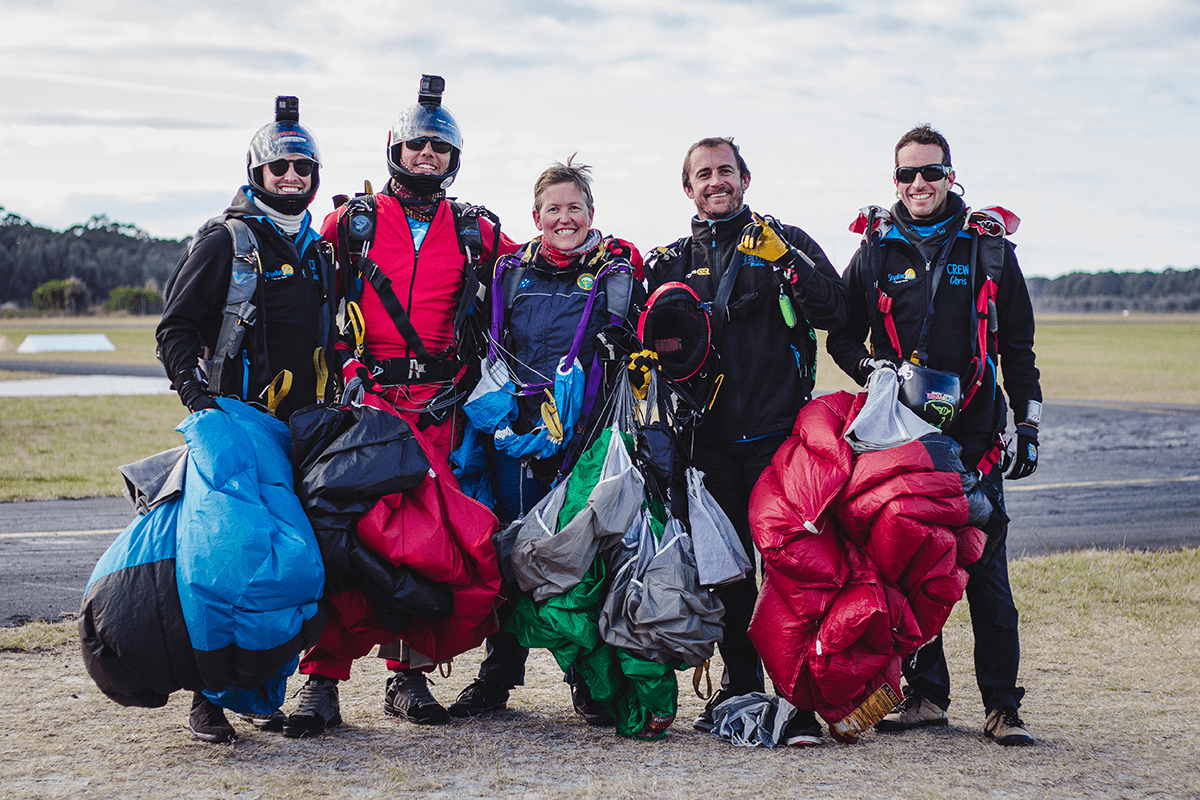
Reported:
(322, 370)
(550, 417)
(278, 390)
(358, 324)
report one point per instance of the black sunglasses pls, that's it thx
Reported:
(419, 144)
(303, 167)
(930, 172)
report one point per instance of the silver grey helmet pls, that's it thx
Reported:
(425, 119)
(283, 137)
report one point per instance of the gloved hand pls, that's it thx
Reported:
(764, 238)
(195, 397)
(1021, 457)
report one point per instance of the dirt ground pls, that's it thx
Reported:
(1112, 702)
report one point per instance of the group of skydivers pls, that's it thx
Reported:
(728, 313)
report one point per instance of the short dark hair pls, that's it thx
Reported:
(923, 134)
(570, 172)
(714, 141)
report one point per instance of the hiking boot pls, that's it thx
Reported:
(207, 721)
(705, 722)
(593, 711)
(480, 697)
(272, 722)
(408, 696)
(914, 711)
(1004, 726)
(317, 711)
(802, 730)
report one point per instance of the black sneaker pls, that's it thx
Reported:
(704, 722)
(207, 721)
(480, 697)
(593, 712)
(317, 711)
(272, 722)
(1005, 726)
(407, 696)
(802, 730)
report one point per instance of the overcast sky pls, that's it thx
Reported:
(1081, 117)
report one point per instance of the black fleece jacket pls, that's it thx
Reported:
(906, 276)
(285, 332)
(766, 382)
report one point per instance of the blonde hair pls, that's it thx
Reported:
(570, 172)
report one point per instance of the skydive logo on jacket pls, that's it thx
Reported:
(286, 271)
(585, 281)
(958, 274)
(752, 261)
(909, 274)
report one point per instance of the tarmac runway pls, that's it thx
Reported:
(1113, 475)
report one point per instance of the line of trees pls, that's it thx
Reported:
(122, 266)
(1168, 291)
(100, 255)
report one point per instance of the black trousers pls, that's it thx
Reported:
(730, 471)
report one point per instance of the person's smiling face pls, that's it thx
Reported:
(922, 198)
(563, 217)
(715, 184)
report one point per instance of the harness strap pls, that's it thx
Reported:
(885, 308)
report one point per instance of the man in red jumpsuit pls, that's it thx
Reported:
(415, 352)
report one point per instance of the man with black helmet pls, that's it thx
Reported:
(264, 251)
(416, 344)
(937, 290)
(764, 285)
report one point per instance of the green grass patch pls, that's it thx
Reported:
(133, 337)
(1137, 358)
(54, 447)
(38, 635)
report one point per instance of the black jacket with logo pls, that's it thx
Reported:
(768, 367)
(907, 277)
(288, 300)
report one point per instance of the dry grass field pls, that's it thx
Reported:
(1109, 662)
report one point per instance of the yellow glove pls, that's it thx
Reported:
(760, 239)
(640, 366)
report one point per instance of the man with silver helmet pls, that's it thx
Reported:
(936, 290)
(412, 260)
(287, 313)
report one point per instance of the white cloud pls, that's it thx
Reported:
(1080, 116)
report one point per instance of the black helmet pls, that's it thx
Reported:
(675, 326)
(283, 137)
(933, 395)
(427, 118)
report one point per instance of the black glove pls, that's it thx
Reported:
(195, 398)
(1021, 459)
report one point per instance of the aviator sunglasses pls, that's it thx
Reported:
(930, 172)
(419, 144)
(303, 167)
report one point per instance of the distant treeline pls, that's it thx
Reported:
(1168, 291)
(100, 254)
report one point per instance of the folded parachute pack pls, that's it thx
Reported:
(215, 588)
(864, 557)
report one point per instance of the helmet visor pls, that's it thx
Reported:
(280, 139)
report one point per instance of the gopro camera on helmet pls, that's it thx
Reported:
(431, 90)
(425, 119)
(287, 108)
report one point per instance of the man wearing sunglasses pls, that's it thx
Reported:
(938, 286)
(411, 307)
(292, 296)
